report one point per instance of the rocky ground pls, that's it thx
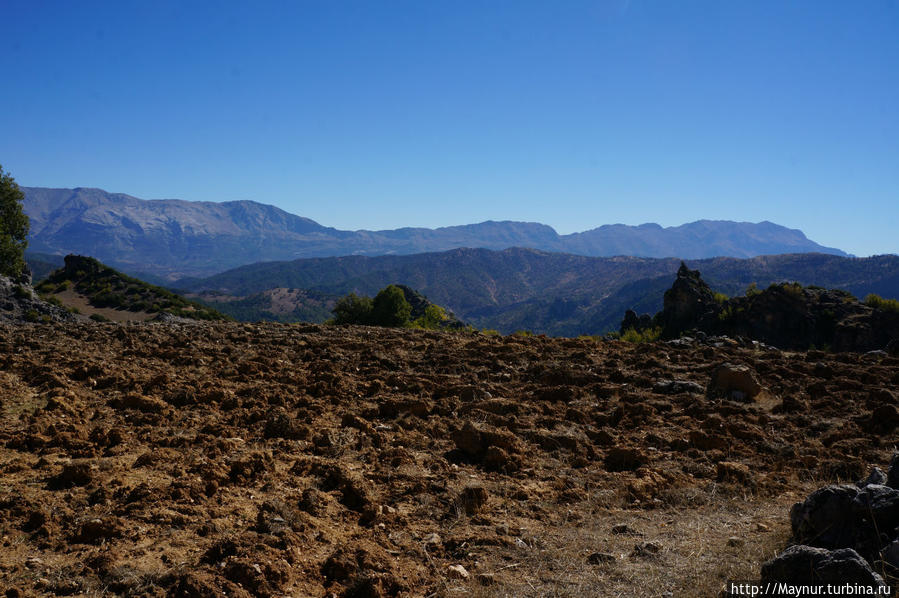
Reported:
(296, 460)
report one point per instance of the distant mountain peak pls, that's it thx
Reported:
(171, 237)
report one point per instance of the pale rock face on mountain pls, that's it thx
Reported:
(175, 237)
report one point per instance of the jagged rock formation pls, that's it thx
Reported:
(784, 315)
(689, 303)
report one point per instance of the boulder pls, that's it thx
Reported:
(737, 382)
(845, 516)
(804, 565)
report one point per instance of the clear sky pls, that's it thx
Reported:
(430, 113)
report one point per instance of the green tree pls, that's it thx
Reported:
(352, 309)
(390, 307)
(13, 227)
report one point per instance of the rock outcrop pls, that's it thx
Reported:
(19, 303)
(786, 315)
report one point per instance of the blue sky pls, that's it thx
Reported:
(424, 113)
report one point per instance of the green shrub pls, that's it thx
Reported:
(20, 292)
(99, 318)
(390, 307)
(878, 302)
(32, 316)
(752, 290)
(53, 300)
(720, 298)
(793, 289)
(432, 319)
(632, 335)
(353, 309)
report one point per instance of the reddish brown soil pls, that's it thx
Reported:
(233, 459)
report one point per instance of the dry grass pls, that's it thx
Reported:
(694, 558)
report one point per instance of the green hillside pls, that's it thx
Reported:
(552, 293)
(95, 289)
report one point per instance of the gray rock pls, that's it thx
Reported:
(845, 516)
(876, 477)
(808, 565)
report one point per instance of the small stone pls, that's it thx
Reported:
(646, 549)
(761, 527)
(623, 529)
(433, 539)
(599, 558)
(33, 562)
(457, 572)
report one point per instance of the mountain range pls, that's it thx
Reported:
(173, 238)
(513, 289)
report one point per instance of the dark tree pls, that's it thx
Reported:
(352, 309)
(13, 227)
(391, 308)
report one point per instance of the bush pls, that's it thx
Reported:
(632, 335)
(390, 308)
(353, 309)
(752, 290)
(432, 319)
(878, 302)
(720, 298)
(32, 316)
(99, 318)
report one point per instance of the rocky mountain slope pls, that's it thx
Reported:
(549, 293)
(269, 460)
(174, 237)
